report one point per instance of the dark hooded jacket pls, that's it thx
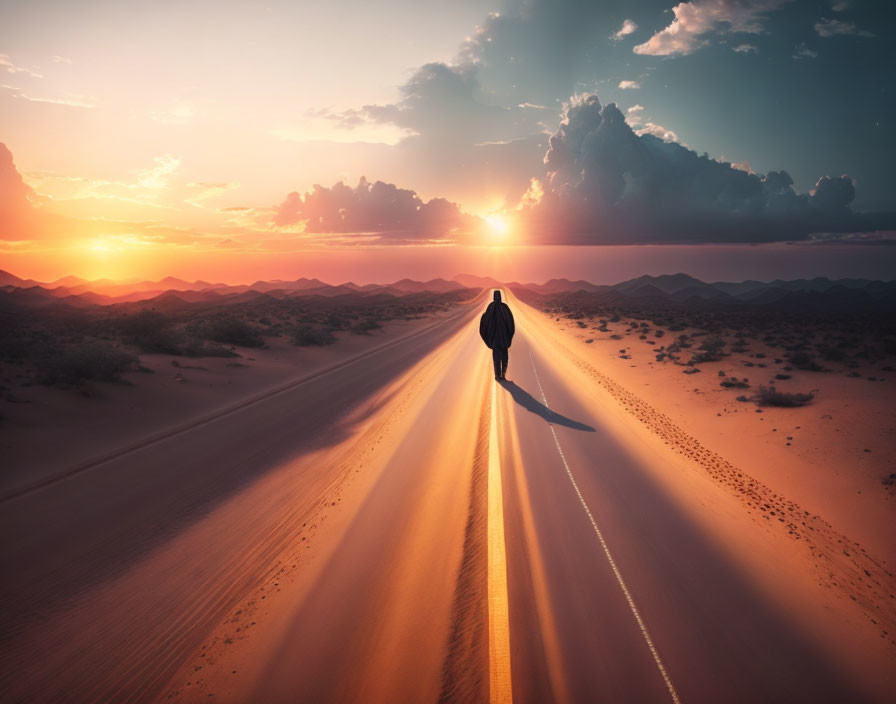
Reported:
(496, 325)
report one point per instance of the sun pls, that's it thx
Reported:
(498, 225)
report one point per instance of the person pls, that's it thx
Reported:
(496, 329)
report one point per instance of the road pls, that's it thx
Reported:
(401, 529)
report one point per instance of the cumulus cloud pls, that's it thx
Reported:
(746, 48)
(458, 137)
(628, 27)
(607, 183)
(804, 52)
(629, 85)
(659, 131)
(635, 114)
(833, 28)
(437, 90)
(380, 208)
(641, 125)
(696, 19)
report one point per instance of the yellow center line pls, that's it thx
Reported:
(500, 690)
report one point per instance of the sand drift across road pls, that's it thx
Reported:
(403, 528)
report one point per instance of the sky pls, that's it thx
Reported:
(232, 140)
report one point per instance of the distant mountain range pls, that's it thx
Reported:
(675, 288)
(684, 290)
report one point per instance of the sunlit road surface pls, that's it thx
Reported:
(433, 535)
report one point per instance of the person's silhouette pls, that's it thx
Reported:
(496, 329)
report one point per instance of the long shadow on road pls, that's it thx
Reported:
(527, 401)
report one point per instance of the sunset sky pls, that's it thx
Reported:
(353, 140)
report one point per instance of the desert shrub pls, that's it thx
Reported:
(310, 336)
(805, 361)
(338, 321)
(734, 383)
(782, 376)
(770, 396)
(14, 347)
(710, 350)
(832, 354)
(233, 331)
(72, 365)
(195, 347)
(365, 326)
(150, 331)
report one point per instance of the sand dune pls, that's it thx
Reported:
(336, 541)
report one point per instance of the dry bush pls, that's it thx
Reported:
(770, 396)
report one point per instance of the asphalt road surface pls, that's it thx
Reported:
(424, 532)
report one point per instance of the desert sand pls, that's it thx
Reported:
(338, 541)
(834, 455)
(49, 431)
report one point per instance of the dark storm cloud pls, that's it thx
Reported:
(479, 123)
(436, 91)
(606, 184)
(460, 138)
(378, 207)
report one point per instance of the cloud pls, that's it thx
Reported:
(16, 210)
(659, 131)
(205, 190)
(379, 208)
(21, 218)
(7, 64)
(629, 85)
(745, 48)
(804, 52)
(834, 28)
(628, 27)
(56, 59)
(696, 19)
(635, 117)
(73, 100)
(840, 6)
(606, 184)
(635, 114)
(155, 178)
(437, 90)
(458, 138)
